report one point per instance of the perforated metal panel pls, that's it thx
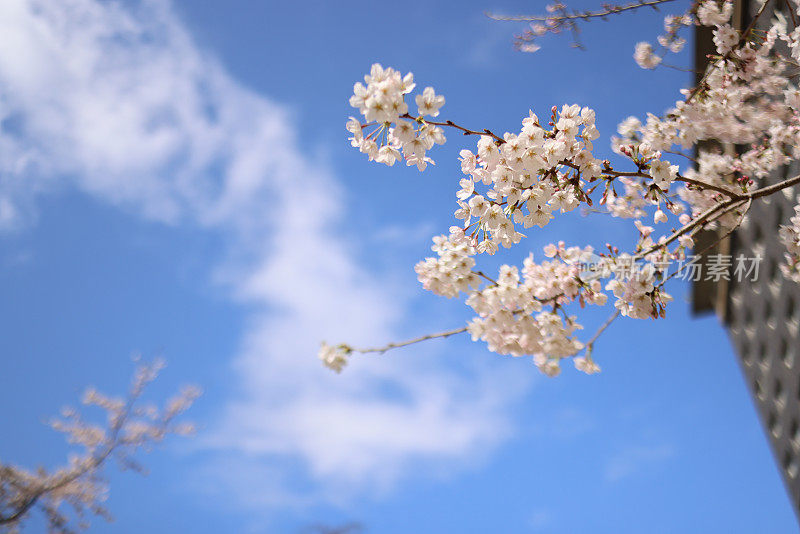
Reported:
(763, 319)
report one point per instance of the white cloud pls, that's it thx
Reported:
(120, 103)
(634, 459)
(540, 519)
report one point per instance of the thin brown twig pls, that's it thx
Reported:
(679, 178)
(578, 15)
(764, 191)
(451, 124)
(704, 185)
(791, 9)
(680, 69)
(702, 219)
(485, 276)
(603, 327)
(381, 350)
(712, 245)
(678, 153)
(705, 216)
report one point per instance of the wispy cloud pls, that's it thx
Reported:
(569, 422)
(119, 102)
(635, 459)
(482, 52)
(540, 519)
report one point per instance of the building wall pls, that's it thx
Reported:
(762, 315)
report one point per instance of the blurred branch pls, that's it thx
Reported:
(129, 426)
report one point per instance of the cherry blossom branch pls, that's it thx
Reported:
(565, 18)
(21, 510)
(704, 185)
(550, 167)
(130, 427)
(702, 219)
(679, 178)
(608, 9)
(606, 171)
(766, 191)
(705, 217)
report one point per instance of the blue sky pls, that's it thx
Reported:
(175, 181)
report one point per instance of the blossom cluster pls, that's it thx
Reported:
(451, 272)
(790, 237)
(511, 317)
(394, 138)
(334, 358)
(510, 311)
(670, 41)
(528, 176)
(130, 426)
(636, 292)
